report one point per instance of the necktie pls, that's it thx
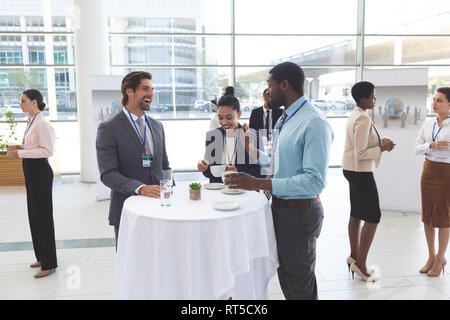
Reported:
(267, 124)
(274, 147)
(140, 122)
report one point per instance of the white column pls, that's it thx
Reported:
(51, 85)
(360, 41)
(92, 58)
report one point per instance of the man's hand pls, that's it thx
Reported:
(231, 168)
(245, 127)
(202, 165)
(387, 145)
(245, 181)
(13, 153)
(150, 191)
(440, 145)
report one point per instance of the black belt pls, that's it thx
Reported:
(282, 203)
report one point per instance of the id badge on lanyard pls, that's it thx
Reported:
(146, 160)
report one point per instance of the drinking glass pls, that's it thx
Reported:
(165, 192)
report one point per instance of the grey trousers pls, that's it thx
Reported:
(296, 232)
(116, 234)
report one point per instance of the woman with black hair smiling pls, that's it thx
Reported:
(230, 151)
(37, 145)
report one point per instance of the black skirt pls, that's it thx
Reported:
(365, 204)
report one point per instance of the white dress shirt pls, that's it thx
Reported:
(230, 147)
(424, 139)
(148, 134)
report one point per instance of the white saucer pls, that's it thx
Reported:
(214, 186)
(233, 191)
(226, 205)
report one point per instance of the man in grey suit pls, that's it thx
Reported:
(131, 149)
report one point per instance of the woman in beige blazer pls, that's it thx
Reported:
(362, 153)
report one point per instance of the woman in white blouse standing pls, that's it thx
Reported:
(38, 144)
(433, 141)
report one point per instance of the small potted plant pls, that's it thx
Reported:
(11, 172)
(194, 191)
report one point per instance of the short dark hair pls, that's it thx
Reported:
(265, 92)
(444, 90)
(34, 94)
(132, 80)
(229, 100)
(290, 72)
(361, 90)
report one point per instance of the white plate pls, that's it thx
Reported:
(214, 186)
(226, 205)
(233, 191)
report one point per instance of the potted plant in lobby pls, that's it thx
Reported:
(195, 191)
(11, 172)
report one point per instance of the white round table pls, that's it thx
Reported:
(192, 251)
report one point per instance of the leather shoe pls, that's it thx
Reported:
(44, 273)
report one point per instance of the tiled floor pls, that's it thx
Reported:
(399, 250)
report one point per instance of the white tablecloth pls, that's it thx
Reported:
(192, 251)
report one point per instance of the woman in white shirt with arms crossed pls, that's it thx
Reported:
(433, 141)
(38, 143)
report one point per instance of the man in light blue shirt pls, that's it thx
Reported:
(300, 160)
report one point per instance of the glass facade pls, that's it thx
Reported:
(194, 49)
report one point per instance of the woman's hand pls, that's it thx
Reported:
(14, 147)
(387, 145)
(13, 153)
(202, 165)
(440, 145)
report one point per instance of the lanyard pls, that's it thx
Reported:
(278, 129)
(230, 161)
(28, 128)
(145, 128)
(434, 126)
(289, 118)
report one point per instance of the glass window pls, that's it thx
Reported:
(10, 55)
(407, 17)
(296, 17)
(166, 50)
(35, 23)
(200, 16)
(37, 55)
(406, 50)
(14, 81)
(191, 86)
(327, 88)
(10, 23)
(265, 50)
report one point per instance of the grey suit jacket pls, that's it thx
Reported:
(119, 157)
